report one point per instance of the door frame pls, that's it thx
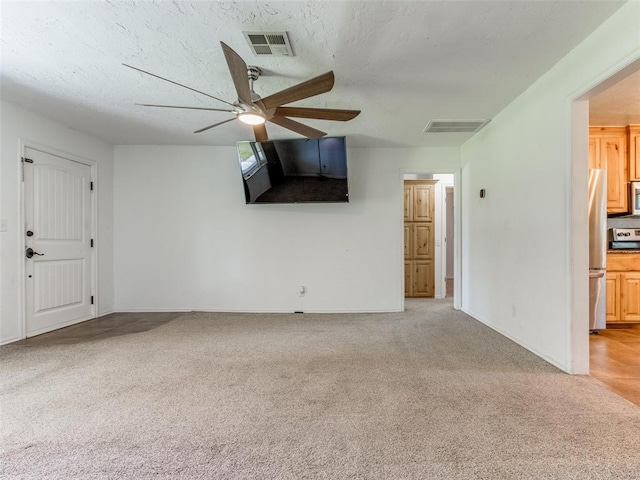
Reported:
(445, 240)
(24, 144)
(577, 238)
(457, 229)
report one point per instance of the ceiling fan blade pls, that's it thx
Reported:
(214, 125)
(238, 70)
(260, 132)
(188, 108)
(179, 84)
(297, 127)
(317, 85)
(318, 113)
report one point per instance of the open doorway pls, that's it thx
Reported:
(612, 111)
(429, 242)
(614, 134)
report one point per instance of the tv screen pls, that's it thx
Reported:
(295, 171)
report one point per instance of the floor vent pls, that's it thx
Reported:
(274, 44)
(454, 126)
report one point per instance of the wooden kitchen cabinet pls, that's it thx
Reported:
(608, 149)
(613, 297)
(623, 288)
(419, 238)
(594, 153)
(633, 134)
(630, 297)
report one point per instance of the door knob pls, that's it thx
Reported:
(31, 252)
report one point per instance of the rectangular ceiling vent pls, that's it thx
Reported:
(274, 44)
(454, 126)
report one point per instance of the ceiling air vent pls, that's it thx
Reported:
(274, 44)
(454, 126)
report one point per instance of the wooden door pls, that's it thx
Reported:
(419, 238)
(634, 152)
(423, 275)
(613, 297)
(408, 278)
(594, 153)
(408, 203)
(423, 198)
(613, 154)
(58, 230)
(630, 296)
(423, 241)
(408, 240)
(608, 149)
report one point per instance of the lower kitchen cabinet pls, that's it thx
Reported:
(613, 297)
(623, 297)
(630, 297)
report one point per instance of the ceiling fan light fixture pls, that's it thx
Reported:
(252, 118)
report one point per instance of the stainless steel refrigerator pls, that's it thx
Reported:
(597, 249)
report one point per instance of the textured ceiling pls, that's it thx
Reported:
(618, 105)
(401, 63)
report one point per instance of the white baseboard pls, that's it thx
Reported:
(226, 310)
(5, 341)
(153, 310)
(519, 341)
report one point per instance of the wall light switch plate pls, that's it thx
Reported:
(3, 225)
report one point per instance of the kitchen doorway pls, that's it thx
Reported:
(614, 127)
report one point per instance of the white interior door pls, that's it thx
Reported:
(58, 230)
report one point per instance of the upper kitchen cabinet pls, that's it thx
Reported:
(608, 149)
(633, 132)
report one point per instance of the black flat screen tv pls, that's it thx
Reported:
(295, 171)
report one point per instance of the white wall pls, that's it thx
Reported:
(19, 125)
(518, 250)
(185, 240)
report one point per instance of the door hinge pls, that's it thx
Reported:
(92, 243)
(91, 186)
(24, 160)
(91, 299)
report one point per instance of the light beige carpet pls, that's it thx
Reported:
(427, 394)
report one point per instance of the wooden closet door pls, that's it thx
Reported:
(419, 238)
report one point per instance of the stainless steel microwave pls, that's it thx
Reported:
(634, 198)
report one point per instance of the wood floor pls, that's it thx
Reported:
(108, 326)
(615, 361)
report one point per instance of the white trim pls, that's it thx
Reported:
(457, 239)
(576, 242)
(516, 340)
(7, 341)
(51, 328)
(232, 310)
(23, 145)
